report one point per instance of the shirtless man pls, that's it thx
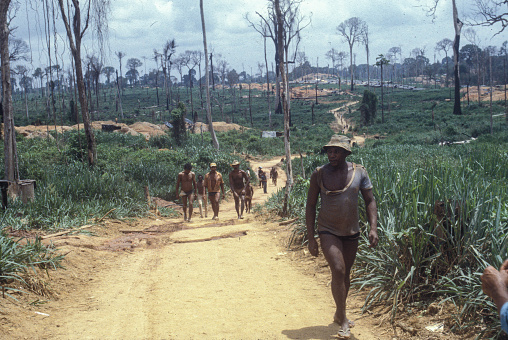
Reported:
(238, 181)
(274, 175)
(338, 184)
(213, 185)
(249, 192)
(201, 195)
(187, 179)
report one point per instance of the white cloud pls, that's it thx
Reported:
(139, 26)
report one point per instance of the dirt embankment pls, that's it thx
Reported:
(139, 128)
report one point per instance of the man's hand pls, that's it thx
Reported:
(313, 246)
(493, 280)
(373, 239)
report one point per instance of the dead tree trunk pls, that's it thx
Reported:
(456, 44)
(10, 151)
(284, 93)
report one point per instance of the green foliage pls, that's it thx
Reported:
(17, 259)
(368, 107)
(178, 122)
(411, 264)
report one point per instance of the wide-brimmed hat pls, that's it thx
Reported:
(212, 164)
(235, 163)
(339, 141)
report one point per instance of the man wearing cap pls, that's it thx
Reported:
(187, 180)
(213, 185)
(338, 184)
(260, 172)
(238, 181)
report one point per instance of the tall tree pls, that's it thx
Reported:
(96, 11)
(333, 55)
(394, 51)
(365, 41)
(133, 64)
(285, 92)
(457, 24)
(120, 55)
(21, 71)
(108, 71)
(96, 66)
(10, 149)
(444, 46)
(352, 30)
(208, 104)
(191, 61)
(380, 61)
(292, 22)
(492, 12)
(39, 74)
(474, 39)
(168, 51)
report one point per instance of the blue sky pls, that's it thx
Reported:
(137, 27)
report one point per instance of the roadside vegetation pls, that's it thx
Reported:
(411, 172)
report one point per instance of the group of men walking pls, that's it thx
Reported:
(338, 184)
(212, 185)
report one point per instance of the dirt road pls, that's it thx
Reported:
(163, 279)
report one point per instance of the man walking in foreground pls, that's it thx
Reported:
(213, 185)
(338, 184)
(187, 179)
(238, 181)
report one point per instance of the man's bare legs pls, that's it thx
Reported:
(201, 201)
(191, 203)
(184, 206)
(214, 201)
(239, 204)
(184, 203)
(340, 255)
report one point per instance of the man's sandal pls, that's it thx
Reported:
(343, 334)
(350, 323)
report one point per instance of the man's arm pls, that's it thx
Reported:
(310, 213)
(194, 183)
(494, 284)
(231, 184)
(371, 209)
(247, 180)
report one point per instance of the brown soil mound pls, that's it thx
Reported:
(218, 126)
(497, 93)
(144, 128)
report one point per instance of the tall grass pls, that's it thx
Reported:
(17, 259)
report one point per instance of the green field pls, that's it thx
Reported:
(409, 169)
